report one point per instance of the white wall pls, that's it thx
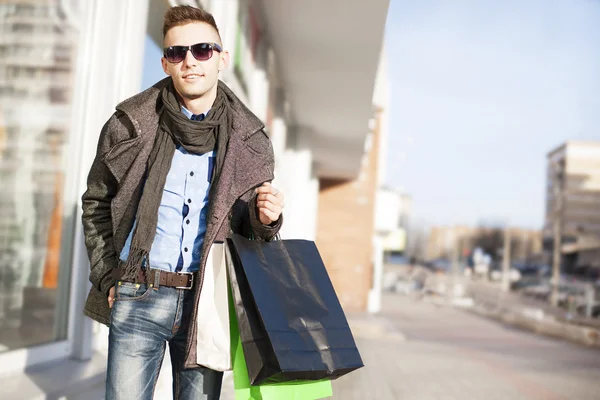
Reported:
(301, 189)
(381, 98)
(387, 206)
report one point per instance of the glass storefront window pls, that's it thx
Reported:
(36, 80)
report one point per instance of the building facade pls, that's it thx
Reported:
(65, 64)
(350, 230)
(573, 196)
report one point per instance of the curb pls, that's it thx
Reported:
(543, 325)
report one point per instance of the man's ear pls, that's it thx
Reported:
(164, 64)
(224, 61)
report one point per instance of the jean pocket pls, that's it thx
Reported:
(128, 291)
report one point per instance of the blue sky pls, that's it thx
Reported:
(481, 91)
(152, 69)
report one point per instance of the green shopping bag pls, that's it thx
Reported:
(296, 390)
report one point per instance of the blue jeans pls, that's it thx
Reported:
(142, 322)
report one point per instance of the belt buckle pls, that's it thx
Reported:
(191, 274)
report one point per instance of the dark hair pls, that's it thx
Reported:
(181, 15)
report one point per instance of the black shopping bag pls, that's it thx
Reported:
(290, 320)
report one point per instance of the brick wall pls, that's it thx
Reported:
(346, 227)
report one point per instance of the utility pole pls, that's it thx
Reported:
(456, 285)
(557, 185)
(506, 261)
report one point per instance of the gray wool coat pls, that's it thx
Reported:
(115, 184)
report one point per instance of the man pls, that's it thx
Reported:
(179, 166)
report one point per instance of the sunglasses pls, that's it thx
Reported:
(200, 51)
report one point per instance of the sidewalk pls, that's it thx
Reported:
(422, 351)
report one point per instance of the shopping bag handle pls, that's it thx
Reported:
(276, 238)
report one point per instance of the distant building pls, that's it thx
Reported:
(391, 218)
(441, 240)
(526, 244)
(574, 174)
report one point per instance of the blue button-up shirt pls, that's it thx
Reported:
(182, 212)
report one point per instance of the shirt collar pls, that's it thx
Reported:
(192, 116)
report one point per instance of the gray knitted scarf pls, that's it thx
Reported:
(197, 137)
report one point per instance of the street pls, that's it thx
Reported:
(417, 350)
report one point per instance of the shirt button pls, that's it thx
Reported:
(185, 249)
(189, 200)
(187, 221)
(192, 173)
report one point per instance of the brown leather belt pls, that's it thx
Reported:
(177, 280)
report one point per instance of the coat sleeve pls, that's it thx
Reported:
(251, 225)
(97, 219)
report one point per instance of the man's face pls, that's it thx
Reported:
(193, 78)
